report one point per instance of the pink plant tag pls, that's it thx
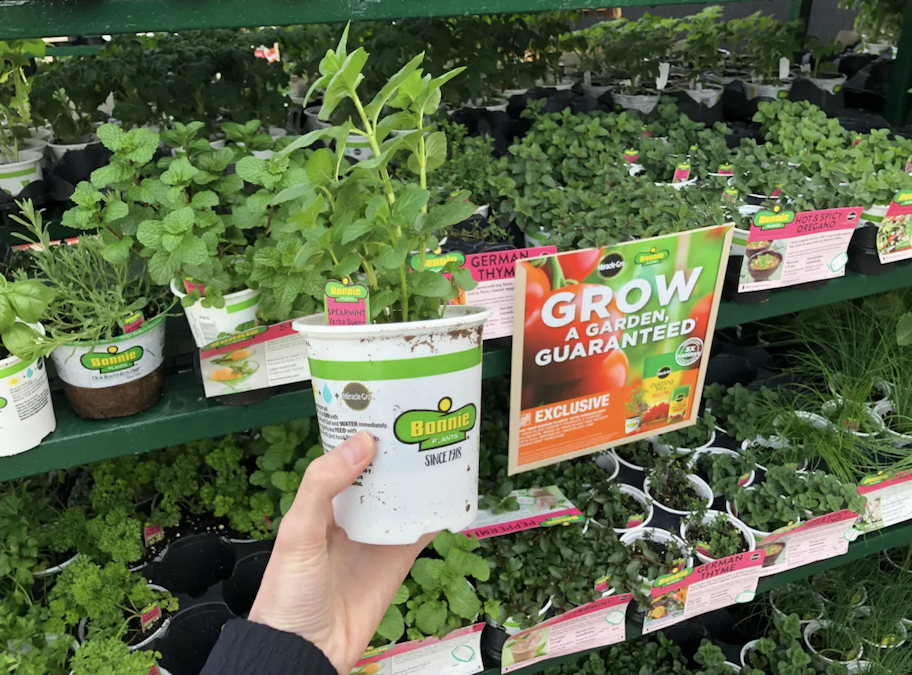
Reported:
(909, 165)
(133, 322)
(191, 286)
(635, 521)
(149, 617)
(682, 173)
(631, 156)
(776, 192)
(742, 481)
(154, 671)
(704, 549)
(726, 170)
(346, 303)
(153, 534)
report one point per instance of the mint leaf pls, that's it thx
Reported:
(391, 626)
(462, 599)
(430, 618)
(427, 573)
(429, 284)
(468, 564)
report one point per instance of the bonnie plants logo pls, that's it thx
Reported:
(356, 396)
(650, 257)
(772, 220)
(439, 428)
(611, 265)
(903, 198)
(112, 360)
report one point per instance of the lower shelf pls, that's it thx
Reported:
(867, 545)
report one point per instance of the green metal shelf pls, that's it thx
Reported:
(183, 414)
(870, 544)
(46, 18)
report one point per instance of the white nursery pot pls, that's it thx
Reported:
(897, 440)
(416, 387)
(536, 238)
(747, 649)
(743, 481)
(608, 462)
(766, 91)
(645, 104)
(708, 518)
(779, 615)
(665, 450)
(641, 497)
(17, 175)
(158, 632)
(662, 537)
(58, 150)
(872, 414)
(209, 323)
(26, 411)
(814, 627)
(702, 489)
(829, 84)
(707, 97)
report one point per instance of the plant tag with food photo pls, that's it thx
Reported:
(889, 500)
(525, 510)
(693, 591)
(152, 534)
(150, 616)
(894, 232)
(805, 543)
(459, 653)
(597, 624)
(785, 248)
(262, 357)
(605, 340)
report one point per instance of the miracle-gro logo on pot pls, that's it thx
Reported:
(436, 428)
(112, 360)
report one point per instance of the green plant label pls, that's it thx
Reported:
(111, 360)
(651, 257)
(773, 220)
(346, 303)
(729, 195)
(432, 429)
(435, 262)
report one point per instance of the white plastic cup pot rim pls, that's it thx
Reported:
(710, 516)
(695, 457)
(624, 462)
(778, 613)
(817, 626)
(745, 650)
(665, 449)
(509, 626)
(899, 639)
(26, 157)
(158, 632)
(873, 417)
(648, 510)
(608, 462)
(699, 485)
(775, 442)
(662, 537)
(56, 569)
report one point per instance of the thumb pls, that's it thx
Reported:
(326, 477)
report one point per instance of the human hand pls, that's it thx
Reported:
(319, 584)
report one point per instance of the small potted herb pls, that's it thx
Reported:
(650, 553)
(110, 656)
(770, 41)
(830, 642)
(105, 326)
(713, 535)
(779, 653)
(675, 490)
(637, 456)
(702, 42)
(854, 417)
(27, 648)
(722, 469)
(23, 303)
(108, 602)
(700, 435)
(823, 73)
(19, 166)
(798, 599)
(370, 239)
(624, 508)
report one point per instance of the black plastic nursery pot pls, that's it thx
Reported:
(240, 589)
(804, 89)
(74, 167)
(699, 112)
(193, 632)
(192, 564)
(492, 642)
(863, 256)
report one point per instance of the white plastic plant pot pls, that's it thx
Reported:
(817, 421)
(563, 84)
(898, 639)
(41, 133)
(26, 410)
(510, 93)
(702, 489)
(732, 510)
(777, 443)
(884, 49)
(87, 368)
(56, 569)
(873, 417)
(747, 649)
(708, 518)
(644, 103)
(536, 238)
(484, 210)
(817, 626)
(17, 175)
(680, 185)
(884, 409)
(733, 667)
(707, 97)
(157, 633)
(210, 323)
(883, 390)
(873, 215)
(493, 104)
(628, 464)
(58, 150)
(831, 85)
(416, 386)
(662, 537)
(814, 614)
(596, 90)
(648, 510)
(745, 480)
(770, 92)
(665, 450)
(608, 462)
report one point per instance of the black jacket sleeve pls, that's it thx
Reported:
(247, 648)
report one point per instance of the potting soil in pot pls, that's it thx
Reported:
(115, 378)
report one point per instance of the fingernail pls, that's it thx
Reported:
(356, 448)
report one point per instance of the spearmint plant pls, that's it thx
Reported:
(357, 218)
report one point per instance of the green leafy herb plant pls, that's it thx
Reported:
(110, 656)
(22, 302)
(15, 107)
(715, 536)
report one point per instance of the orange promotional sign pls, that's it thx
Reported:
(611, 345)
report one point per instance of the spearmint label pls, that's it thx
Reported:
(123, 359)
(423, 413)
(346, 303)
(26, 413)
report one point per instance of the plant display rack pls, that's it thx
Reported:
(183, 415)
